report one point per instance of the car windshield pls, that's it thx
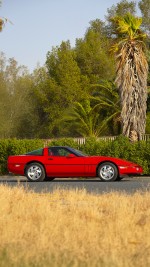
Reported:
(38, 152)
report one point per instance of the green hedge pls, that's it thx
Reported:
(16, 147)
(137, 152)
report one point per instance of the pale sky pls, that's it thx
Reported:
(40, 24)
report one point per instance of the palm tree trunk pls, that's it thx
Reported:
(132, 70)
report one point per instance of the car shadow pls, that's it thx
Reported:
(13, 181)
(2, 181)
(83, 180)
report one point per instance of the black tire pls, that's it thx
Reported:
(107, 172)
(35, 172)
(119, 178)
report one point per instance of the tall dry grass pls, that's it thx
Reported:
(74, 228)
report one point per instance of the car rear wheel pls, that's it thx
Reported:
(107, 172)
(35, 172)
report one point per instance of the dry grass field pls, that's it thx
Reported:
(73, 228)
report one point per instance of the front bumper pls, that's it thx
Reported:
(130, 170)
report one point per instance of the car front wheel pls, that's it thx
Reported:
(35, 172)
(107, 172)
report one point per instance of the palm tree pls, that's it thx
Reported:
(3, 20)
(1, 24)
(132, 72)
(84, 118)
(98, 114)
(106, 94)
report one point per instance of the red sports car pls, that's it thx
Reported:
(64, 161)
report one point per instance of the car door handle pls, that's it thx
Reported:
(50, 159)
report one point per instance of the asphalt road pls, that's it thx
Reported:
(127, 185)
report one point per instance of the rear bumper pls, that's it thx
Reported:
(16, 168)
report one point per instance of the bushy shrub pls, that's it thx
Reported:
(138, 152)
(4, 145)
(16, 147)
(93, 146)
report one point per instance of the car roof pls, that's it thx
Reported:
(59, 146)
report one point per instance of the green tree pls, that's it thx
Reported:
(17, 108)
(144, 6)
(23, 106)
(4, 96)
(49, 103)
(121, 9)
(60, 86)
(92, 54)
(132, 70)
(63, 69)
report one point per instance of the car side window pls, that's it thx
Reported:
(58, 152)
(63, 152)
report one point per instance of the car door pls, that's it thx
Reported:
(60, 163)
